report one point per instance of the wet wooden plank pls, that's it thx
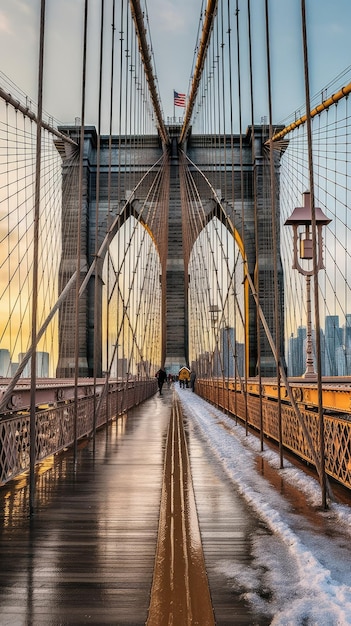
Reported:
(88, 554)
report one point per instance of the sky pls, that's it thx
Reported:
(306, 562)
(174, 27)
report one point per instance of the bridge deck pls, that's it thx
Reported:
(88, 555)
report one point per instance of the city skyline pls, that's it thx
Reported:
(8, 367)
(335, 348)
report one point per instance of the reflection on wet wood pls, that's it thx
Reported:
(180, 592)
(87, 556)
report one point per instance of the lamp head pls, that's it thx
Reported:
(302, 216)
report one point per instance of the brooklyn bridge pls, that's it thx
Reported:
(211, 247)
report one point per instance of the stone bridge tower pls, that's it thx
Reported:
(170, 245)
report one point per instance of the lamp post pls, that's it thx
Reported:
(301, 221)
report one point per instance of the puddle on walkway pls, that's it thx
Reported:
(307, 516)
(297, 499)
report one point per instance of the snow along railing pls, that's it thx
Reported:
(337, 422)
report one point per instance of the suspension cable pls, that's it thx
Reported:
(97, 339)
(137, 15)
(274, 235)
(323, 106)
(79, 223)
(199, 66)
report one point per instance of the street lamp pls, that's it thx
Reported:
(301, 221)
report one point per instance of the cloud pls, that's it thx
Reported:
(169, 17)
(172, 16)
(5, 26)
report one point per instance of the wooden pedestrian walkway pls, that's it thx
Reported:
(92, 551)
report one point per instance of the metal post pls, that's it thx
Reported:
(310, 374)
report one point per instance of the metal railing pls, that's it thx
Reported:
(55, 425)
(337, 428)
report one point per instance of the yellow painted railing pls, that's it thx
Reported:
(337, 427)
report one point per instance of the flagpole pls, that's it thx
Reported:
(173, 109)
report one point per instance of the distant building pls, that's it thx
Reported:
(294, 350)
(42, 365)
(347, 343)
(340, 361)
(14, 367)
(122, 368)
(297, 351)
(5, 363)
(296, 354)
(229, 357)
(333, 342)
(143, 369)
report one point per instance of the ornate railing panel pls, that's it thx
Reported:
(337, 428)
(55, 426)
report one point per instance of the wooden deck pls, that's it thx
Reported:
(88, 555)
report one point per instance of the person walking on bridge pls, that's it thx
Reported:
(161, 378)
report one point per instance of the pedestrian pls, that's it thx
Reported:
(161, 378)
(192, 380)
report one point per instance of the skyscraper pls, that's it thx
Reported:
(347, 343)
(296, 354)
(333, 342)
(5, 363)
(42, 365)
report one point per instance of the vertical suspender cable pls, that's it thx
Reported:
(274, 236)
(322, 476)
(210, 13)
(119, 315)
(97, 337)
(257, 268)
(131, 186)
(79, 224)
(109, 175)
(232, 194)
(226, 315)
(128, 186)
(144, 48)
(35, 263)
(9, 247)
(241, 185)
(217, 107)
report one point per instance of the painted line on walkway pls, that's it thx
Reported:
(180, 592)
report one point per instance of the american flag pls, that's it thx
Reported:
(179, 99)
